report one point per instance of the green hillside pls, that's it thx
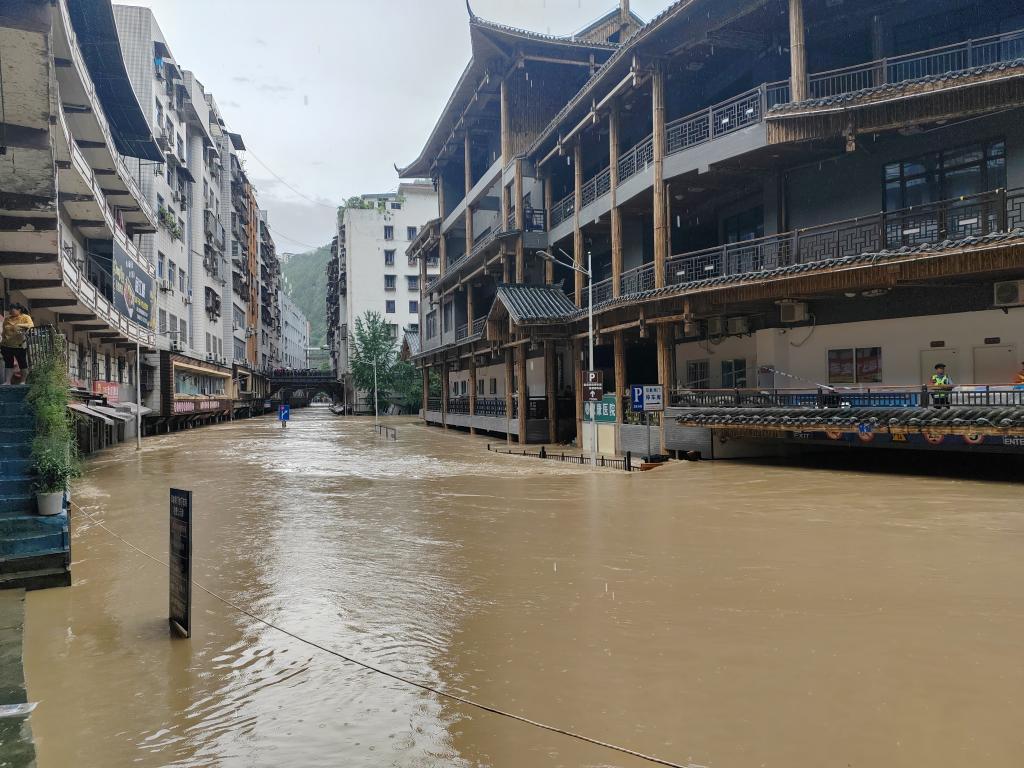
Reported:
(306, 281)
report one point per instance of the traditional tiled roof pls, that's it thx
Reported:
(411, 344)
(1015, 236)
(868, 94)
(530, 304)
(797, 418)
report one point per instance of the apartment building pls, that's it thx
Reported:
(370, 271)
(794, 210)
(294, 334)
(74, 217)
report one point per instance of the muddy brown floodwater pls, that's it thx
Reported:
(728, 615)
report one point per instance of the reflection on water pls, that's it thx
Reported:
(728, 615)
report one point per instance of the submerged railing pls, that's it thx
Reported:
(625, 463)
(389, 433)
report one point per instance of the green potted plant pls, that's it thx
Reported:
(55, 460)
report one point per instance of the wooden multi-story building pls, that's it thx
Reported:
(794, 209)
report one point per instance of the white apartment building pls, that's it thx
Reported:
(378, 277)
(294, 333)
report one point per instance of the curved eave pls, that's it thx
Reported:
(493, 45)
(93, 22)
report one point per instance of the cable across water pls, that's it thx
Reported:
(413, 683)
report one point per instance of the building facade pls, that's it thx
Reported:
(370, 270)
(74, 216)
(794, 210)
(211, 251)
(294, 334)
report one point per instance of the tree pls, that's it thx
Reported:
(373, 341)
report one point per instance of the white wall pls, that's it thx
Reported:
(906, 343)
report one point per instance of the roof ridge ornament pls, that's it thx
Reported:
(472, 16)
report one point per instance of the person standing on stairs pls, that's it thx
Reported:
(12, 343)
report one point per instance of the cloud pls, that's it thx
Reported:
(260, 42)
(242, 79)
(231, 104)
(270, 88)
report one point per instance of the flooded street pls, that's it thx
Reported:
(716, 614)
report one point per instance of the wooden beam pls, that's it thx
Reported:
(508, 392)
(524, 403)
(517, 186)
(549, 390)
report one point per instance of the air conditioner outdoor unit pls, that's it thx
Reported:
(737, 325)
(1009, 293)
(166, 286)
(793, 311)
(187, 300)
(176, 346)
(715, 326)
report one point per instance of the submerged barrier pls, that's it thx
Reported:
(568, 458)
(389, 433)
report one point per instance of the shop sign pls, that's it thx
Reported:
(133, 288)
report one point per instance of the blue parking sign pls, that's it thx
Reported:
(284, 412)
(636, 396)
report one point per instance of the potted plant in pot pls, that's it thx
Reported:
(54, 449)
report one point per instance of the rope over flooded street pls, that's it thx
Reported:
(721, 614)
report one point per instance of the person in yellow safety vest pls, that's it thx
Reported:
(942, 385)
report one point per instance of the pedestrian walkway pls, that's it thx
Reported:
(16, 748)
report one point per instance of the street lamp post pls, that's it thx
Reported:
(376, 418)
(589, 274)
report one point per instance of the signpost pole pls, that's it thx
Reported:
(590, 333)
(648, 420)
(138, 399)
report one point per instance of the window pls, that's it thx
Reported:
(159, 201)
(479, 387)
(944, 175)
(494, 386)
(159, 113)
(172, 273)
(412, 282)
(172, 326)
(432, 324)
(389, 232)
(410, 233)
(747, 225)
(389, 258)
(734, 373)
(161, 264)
(389, 282)
(239, 350)
(162, 322)
(698, 374)
(414, 307)
(396, 206)
(184, 331)
(447, 323)
(389, 307)
(208, 344)
(394, 330)
(862, 365)
(182, 280)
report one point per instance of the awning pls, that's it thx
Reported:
(132, 408)
(90, 412)
(112, 412)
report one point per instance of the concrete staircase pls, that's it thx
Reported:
(35, 551)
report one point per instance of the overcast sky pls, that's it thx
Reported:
(330, 94)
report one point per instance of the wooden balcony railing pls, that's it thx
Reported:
(975, 395)
(563, 209)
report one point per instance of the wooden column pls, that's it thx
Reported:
(616, 214)
(445, 389)
(550, 380)
(472, 393)
(424, 305)
(577, 372)
(468, 154)
(521, 391)
(660, 222)
(577, 234)
(508, 392)
(619, 349)
(666, 334)
(442, 242)
(505, 120)
(426, 389)
(549, 266)
(519, 223)
(797, 52)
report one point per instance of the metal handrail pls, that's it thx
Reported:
(563, 209)
(715, 121)
(637, 159)
(596, 187)
(478, 325)
(969, 216)
(461, 332)
(922, 396)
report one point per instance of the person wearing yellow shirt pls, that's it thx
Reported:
(12, 343)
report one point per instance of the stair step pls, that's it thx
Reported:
(40, 579)
(12, 394)
(18, 421)
(9, 450)
(43, 559)
(12, 468)
(18, 436)
(16, 505)
(31, 524)
(15, 486)
(22, 546)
